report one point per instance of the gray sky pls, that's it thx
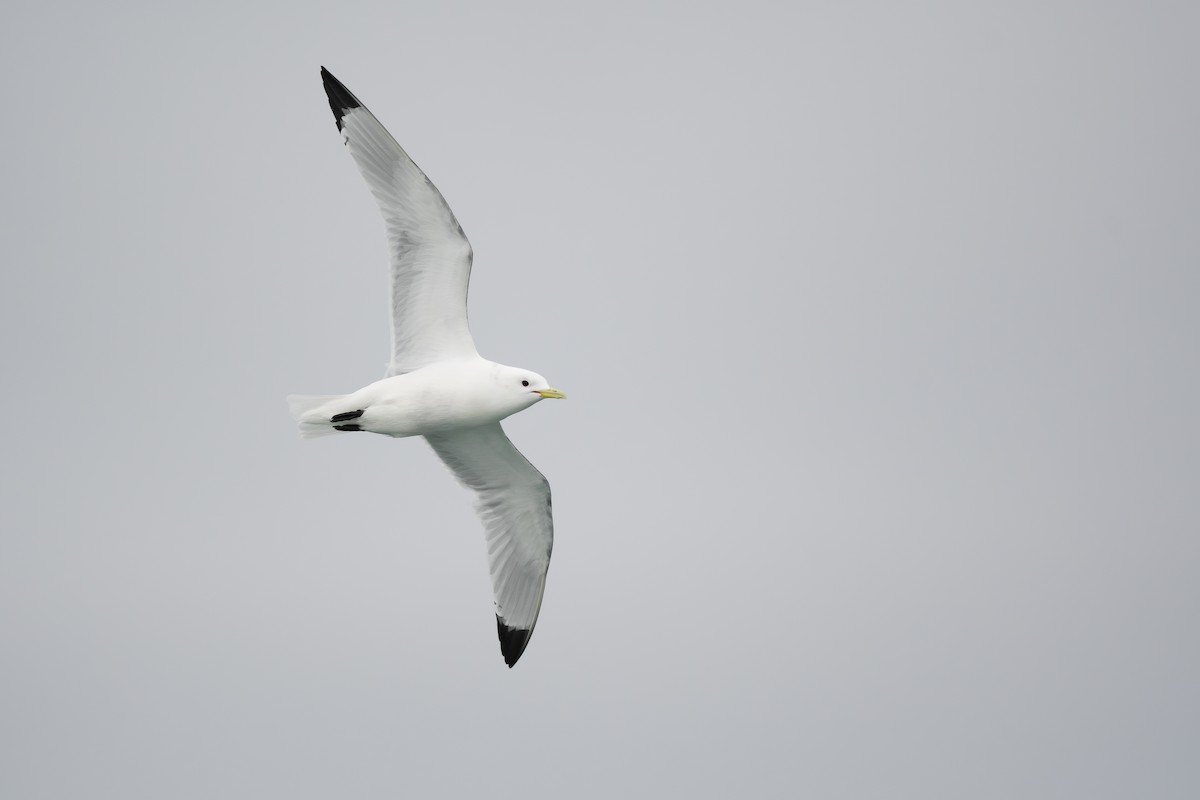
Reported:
(878, 476)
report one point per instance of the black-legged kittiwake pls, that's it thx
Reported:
(437, 385)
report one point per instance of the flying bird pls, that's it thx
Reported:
(437, 385)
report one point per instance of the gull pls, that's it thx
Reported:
(437, 385)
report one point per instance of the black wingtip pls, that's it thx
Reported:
(512, 641)
(345, 415)
(340, 98)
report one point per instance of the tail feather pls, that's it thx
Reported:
(312, 415)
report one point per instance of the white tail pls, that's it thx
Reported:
(308, 411)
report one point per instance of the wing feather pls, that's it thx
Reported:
(513, 501)
(430, 254)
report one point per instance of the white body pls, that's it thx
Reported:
(439, 398)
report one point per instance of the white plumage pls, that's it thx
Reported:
(437, 385)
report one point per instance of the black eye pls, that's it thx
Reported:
(524, 383)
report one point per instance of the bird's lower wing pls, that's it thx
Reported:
(513, 501)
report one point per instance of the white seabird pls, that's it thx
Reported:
(437, 385)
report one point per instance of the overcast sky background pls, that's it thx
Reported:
(878, 476)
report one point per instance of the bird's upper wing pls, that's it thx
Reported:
(431, 257)
(513, 500)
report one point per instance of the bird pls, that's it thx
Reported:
(436, 384)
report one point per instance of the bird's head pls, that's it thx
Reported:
(526, 385)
